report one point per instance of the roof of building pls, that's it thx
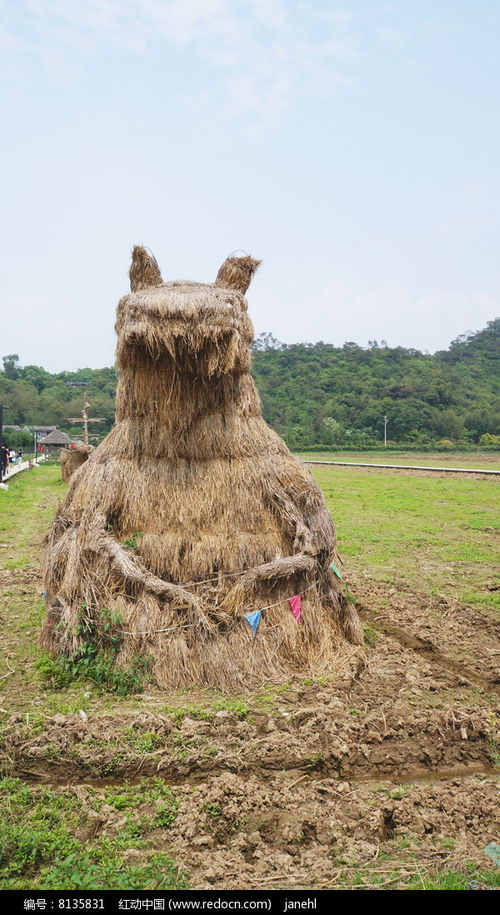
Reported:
(56, 438)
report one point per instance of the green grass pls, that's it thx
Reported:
(41, 839)
(395, 877)
(433, 534)
(95, 661)
(484, 460)
(26, 511)
(474, 878)
(235, 706)
(144, 741)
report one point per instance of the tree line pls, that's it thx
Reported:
(314, 394)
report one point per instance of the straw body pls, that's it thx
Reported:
(192, 512)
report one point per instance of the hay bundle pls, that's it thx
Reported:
(192, 512)
(72, 459)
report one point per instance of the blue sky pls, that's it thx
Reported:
(354, 147)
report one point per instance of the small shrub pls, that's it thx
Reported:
(145, 742)
(167, 812)
(95, 660)
(315, 761)
(397, 793)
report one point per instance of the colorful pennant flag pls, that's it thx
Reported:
(296, 607)
(335, 570)
(253, 620)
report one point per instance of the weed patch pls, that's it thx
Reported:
(95, 660)
(39, 842)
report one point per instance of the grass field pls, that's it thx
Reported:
(486, 460)
(311, 783)
(437, 535)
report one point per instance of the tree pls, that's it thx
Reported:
(266, 341)
(37, 376)
(11, 366)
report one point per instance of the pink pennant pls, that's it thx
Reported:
(296, 607)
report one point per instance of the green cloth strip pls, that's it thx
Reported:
(335, 570)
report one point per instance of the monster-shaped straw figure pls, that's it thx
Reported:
(192, 512)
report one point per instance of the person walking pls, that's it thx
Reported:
(5, 459)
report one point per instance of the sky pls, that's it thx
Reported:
(353, 147)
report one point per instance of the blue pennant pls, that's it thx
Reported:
(253, 620)
(335, 570)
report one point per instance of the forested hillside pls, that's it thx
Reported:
(313, 394)
(322, 394)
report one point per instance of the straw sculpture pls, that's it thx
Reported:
(192, 512)
(72, 459)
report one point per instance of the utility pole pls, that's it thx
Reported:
(385, 431)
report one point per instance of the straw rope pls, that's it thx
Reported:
(192, 625)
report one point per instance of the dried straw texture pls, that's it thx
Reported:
(144, 270)
(236, 273)
(72, 459)
(197, 483)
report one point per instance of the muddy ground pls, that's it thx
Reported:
(385, 774)
(389, 773)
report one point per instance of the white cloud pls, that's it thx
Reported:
(265, 53)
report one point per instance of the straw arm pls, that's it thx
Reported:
(133, 572)
(285, 567)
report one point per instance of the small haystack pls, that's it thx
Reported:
(73, 458)
(192, 512)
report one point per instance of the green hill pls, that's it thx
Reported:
(313, 394)
(322, 394)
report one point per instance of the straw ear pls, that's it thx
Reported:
(144, 270)
(236, 273)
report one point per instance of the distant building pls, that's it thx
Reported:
(42, 431)
(56, 440)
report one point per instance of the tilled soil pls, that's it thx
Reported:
(381, 724)
(390, 772)
(241, 831)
